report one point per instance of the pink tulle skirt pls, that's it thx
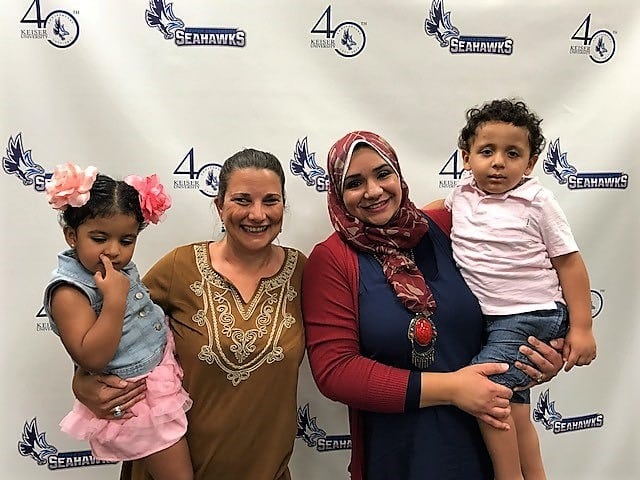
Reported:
(159, 420)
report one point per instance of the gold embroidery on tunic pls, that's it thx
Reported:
(251, 344)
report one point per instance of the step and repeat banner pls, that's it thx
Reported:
(174, 88)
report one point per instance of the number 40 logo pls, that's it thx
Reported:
(454, 167)
(204, 178)
(348, 38)
(59, 27)
(600, 46)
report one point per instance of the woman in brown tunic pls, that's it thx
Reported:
(235, 313)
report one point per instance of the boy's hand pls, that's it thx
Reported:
(112, 282)
(579, 347)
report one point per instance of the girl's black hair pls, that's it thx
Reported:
(510, 111)
(249, 158)
(108, 197)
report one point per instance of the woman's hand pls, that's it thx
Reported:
(546, 358)
(103, 393)
(474, 393)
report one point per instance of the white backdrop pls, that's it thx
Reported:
(94, 83)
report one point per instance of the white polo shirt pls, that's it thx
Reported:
(503, 244)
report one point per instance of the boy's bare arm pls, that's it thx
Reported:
(580, 346)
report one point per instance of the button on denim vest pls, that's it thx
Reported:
(144, 330)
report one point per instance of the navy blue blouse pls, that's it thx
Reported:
(434, 443)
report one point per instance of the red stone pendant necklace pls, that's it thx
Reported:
(421, 332)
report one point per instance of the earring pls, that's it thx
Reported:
(222, 229)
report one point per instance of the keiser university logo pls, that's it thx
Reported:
(60, 28)
(315, 436)
(303, 165)
(546, 414)
(160, 16)
(34, 445)
(42, 321)
(453, 168)
(600, 47)
(557, 165)
(347, 39)
(439, 25)
(204, 179)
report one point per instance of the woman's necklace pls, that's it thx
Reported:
(421, 333)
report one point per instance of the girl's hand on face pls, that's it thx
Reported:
(546, 358)
(112, 282)
(477, 395)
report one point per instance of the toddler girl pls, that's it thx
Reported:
(107, 322)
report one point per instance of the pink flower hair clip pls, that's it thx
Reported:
(154, 200)
(70, 185)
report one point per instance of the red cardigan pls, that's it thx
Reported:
(330, 312)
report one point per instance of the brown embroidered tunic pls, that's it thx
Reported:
(240, 364)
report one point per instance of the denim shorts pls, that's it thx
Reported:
(505, 333)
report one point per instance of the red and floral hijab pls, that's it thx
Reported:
(390, 243)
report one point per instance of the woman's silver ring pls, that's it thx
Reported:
(117, 411)
(539, 379)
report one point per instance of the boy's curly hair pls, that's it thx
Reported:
(507, 110)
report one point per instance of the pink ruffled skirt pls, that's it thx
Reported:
(159, 421)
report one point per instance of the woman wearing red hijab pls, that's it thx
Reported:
(391, 327)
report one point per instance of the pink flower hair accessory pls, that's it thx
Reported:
(154, 200)
(70, 185)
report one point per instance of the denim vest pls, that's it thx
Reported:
(144, 330)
